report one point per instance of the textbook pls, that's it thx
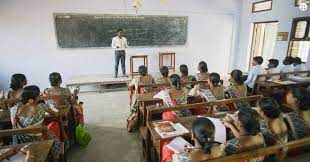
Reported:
(220, 129)
(177, 145)
(168, 129)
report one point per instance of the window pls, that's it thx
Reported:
(299, 44)
(263, 40)
(297, 2)
(265, 5)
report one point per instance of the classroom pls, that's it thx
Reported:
(154, 80)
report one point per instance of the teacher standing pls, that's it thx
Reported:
(119, 43)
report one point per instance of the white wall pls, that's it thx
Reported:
(28, 43)
(283, 11)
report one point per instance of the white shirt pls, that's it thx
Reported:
(120, 42)
(301, 67)
(287, 68)
(256, 70)
(274, 70)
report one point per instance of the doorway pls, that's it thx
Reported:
(264, 40)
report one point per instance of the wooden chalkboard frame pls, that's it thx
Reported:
(101, 14)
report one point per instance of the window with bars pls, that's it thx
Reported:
(299, 44)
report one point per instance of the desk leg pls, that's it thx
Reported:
(160, 150)
(148, 146)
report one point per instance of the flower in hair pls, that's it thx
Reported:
(30, 101)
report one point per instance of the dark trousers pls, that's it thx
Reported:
(120, 55)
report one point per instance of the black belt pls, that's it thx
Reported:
(120, 50)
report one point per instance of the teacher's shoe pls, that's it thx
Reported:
(124, 75)
(115, 76)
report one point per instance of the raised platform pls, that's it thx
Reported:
(103, 82)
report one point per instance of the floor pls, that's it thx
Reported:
(105, 118)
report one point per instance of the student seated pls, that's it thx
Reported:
(273, 126)
(288, 66)
(257, 69)
(203, 74)
(30, 113)
(56, 90)
(298, 121)
(204, 149)
(164, 71)
(173, 96)
(299, 66)
(143, 78)
(184, 74)
(18, 81)
(237, 88)
(215, 86)
(273, 68)
(245, 128)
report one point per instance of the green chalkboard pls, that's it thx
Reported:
(86, 30)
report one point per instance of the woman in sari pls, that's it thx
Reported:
(273, 126)
(245, 128)
(184, 76)
(203, 74)
(30, 113)
(204, 149)
(298, 121)
(56, 90)
(143, 78)
(74, 114)
(173, 96)
(18, 81)
(215, 86)
(237, 88)
(164, 79)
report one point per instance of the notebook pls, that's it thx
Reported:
(178, 144)
(168, 129)
(220, 129)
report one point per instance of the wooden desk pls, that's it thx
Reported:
(185, 121)
(271, 87)
(268, 85)
(40, 149)
(145, 100)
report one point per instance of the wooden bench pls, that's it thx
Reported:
(267, 88)
(151, 136)
(263, 152)
(11, 132)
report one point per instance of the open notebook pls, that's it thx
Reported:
(220, 129)
(177, 145)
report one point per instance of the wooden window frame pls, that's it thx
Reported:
(293, 32)
(255, 23)
(253, 4)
